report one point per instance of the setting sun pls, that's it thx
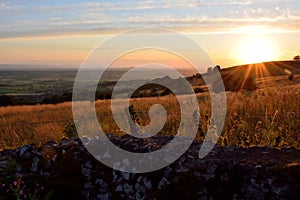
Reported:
(254, 49)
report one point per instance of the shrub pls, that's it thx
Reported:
(70, 131)
(7, 101)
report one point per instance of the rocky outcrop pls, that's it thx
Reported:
(67, 171)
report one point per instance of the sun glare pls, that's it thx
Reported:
(255, 49)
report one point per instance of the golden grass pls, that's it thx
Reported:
(268, 116)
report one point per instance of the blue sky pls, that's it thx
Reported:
(39, 18)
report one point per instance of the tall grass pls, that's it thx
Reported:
(268, 116)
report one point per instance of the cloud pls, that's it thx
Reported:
(23, 20)
(250, 17)
(129, 5)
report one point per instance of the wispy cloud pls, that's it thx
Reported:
(28, 19)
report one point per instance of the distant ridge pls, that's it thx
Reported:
(264, 69)
(31, 67)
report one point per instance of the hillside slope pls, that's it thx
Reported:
(245, 76)
(265, 69)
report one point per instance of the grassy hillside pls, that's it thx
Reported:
(266, 116)
(245, 76)
(265, 69)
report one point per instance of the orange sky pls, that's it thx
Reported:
(64, 32)
(223, 48)
(150, 56)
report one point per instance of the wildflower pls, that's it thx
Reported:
(21, 192)
(15, 183)
(3, 185)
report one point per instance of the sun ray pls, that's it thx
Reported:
(246, 76)
(263, 70)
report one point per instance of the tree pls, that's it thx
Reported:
(217, 68)
(291, 77)
(6, 100)
(297, 58)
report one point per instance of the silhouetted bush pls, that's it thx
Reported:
(217, 68)
(6, 100)
(103, 95)
(198, 90)
(55, 99)
(166, 92)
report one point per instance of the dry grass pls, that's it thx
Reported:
(33, 124)
(268, 116)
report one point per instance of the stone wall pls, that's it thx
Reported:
(67, 171)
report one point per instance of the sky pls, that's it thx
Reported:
(64, 32)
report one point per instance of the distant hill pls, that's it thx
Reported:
(265, 69)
